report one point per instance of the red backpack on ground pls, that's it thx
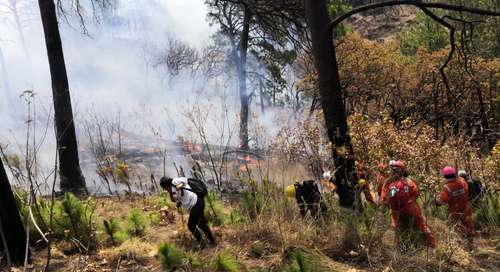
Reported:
(399, 193)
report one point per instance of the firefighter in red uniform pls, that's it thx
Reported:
(401, 194)
(456, 195)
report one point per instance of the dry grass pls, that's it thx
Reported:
(335, 244)
(133, 249)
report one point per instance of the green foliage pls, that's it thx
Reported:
(74, 221)
(136, 223)
(300, 262)
(224, 261)
(274, 57)
(236, 218)
(170, 256)
(366, 223)
(336, 8)
(423, 32)
(253, 204)
(153, 218)
(488, 212)
(113, 230)
(41, 213)
(256, 201)
(286, 206)
(331, 203)
(214, 211)
(484, 37)
(428, 203)
(306, 260)
(193, 260)
(258, 269)
(160, 200)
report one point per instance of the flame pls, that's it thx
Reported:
(191, 147)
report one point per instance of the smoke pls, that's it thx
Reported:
(110, 71)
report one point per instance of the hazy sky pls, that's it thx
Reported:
(108, 66)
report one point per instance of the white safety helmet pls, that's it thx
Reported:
(327, 175)
(462, 173)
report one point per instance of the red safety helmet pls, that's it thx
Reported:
(398, 164)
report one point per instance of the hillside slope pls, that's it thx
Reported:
(384, 24)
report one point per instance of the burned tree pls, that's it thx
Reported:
(253, 27)
(71, 178)
(332, 103)
(12, 233)
(234, 20)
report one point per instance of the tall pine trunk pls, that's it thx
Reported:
(12, 227)
(242, 79)
(71, 178)
(332, 103)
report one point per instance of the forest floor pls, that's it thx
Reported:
(140, 253)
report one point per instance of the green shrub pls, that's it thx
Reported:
(72, 219)
(365, 226)
(300, 262)
(256, 200)
(259, 269)
(268, 186)
(224, 261)
(113, 230)
(154, 218)
(423, 32)
(170, 256)
(253, 204)
(41, 213)
(74, 222)
(236, 218)
(193, 260)
(488, 212)
(331, 203)
(214, 211)
(307, 260)
(428, 204)
(288, 206)
(136, 223)
(161, 200)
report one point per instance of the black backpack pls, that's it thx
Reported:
(198, 187)
(476, 190)
(308, 191)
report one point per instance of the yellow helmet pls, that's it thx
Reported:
(290, 190)
(361, 183)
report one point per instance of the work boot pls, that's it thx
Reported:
(201, 244)
(212, 243)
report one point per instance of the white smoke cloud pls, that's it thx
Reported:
(108, 70)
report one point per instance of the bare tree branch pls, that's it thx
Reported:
(419, 3)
